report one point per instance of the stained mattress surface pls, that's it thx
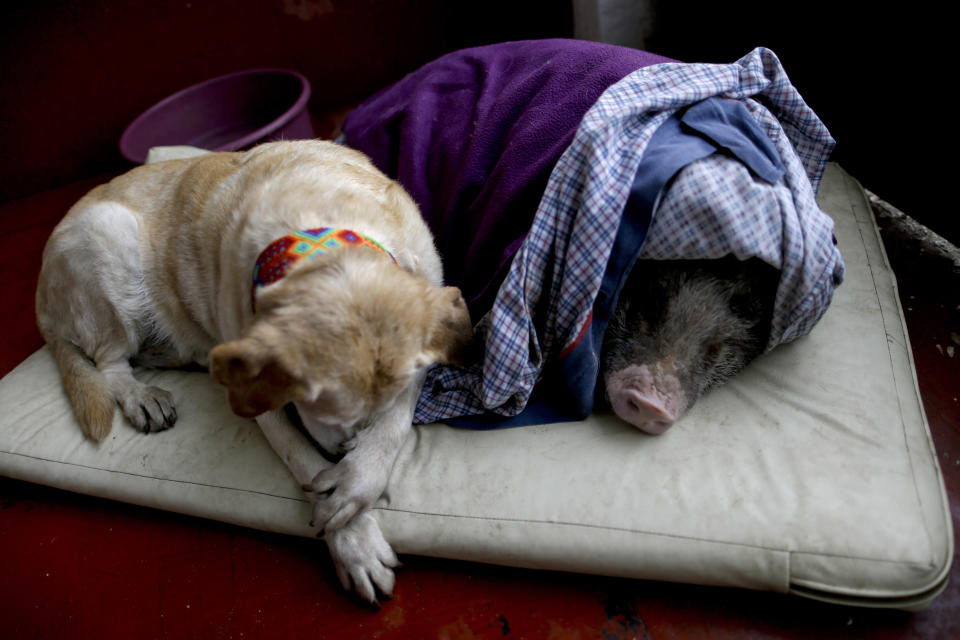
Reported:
(811, 472)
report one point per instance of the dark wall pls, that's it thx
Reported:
(879, 79)
(74, 74)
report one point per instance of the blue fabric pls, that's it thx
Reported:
(728, 125)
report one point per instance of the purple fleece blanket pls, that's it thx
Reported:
(474, 135)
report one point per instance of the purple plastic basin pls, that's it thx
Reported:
(226, 113)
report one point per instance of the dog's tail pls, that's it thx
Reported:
(86, 388)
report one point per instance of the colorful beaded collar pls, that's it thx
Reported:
(280, 255)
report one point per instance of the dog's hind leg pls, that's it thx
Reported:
(95, 388)
(148, 408)
(94, 312)
(86, 388)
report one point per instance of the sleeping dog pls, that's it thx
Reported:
(343, 313)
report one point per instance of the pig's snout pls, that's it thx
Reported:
(648, 397)
(642, 411)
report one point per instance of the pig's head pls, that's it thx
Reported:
(679, 328)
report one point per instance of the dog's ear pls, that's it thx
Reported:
(451, 331)
(256, 379)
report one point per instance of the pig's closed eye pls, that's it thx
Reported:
(714, 350)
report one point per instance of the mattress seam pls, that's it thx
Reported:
(789, 552)
(149, 477)
(885, 267)
(786, 550)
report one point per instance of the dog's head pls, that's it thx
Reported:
(340, 339)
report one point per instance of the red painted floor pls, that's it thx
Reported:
(75, 567)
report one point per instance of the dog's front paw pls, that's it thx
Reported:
(342, 491)
(362, 557)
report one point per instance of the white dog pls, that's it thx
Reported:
(298, 273)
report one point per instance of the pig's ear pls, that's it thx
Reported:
(450, 332)
(752, 295)
(745, 302)
(257, 380)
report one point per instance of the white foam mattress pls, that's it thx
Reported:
(812, 472)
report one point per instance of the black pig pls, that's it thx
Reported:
(679, 328)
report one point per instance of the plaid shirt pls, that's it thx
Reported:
(713, 207)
